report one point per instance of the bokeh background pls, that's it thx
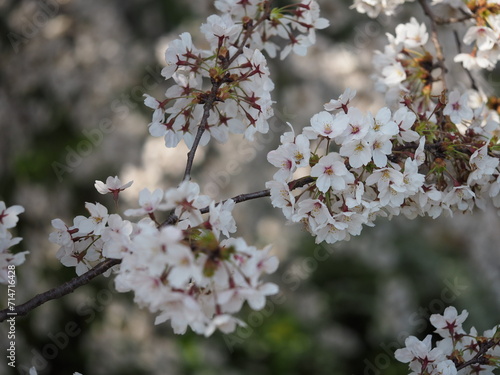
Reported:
(72, 75)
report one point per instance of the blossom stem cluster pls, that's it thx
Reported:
(469, 353)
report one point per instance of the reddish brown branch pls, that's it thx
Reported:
(479, 358)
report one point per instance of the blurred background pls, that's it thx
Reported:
(72, 75)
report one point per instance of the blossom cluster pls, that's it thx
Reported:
(8, 220)
(484, 34)
(181, 268)
(469, 353)
(358, 166)
(405, 67)
(226, 89)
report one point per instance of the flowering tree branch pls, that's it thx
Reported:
(76, 282)
(479, 358)
(412, 158)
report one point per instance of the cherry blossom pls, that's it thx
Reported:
(430, 151)
(149, 202)
(331, 173)
(113, 185)
(8, 216)
(458, 108)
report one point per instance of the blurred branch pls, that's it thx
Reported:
(435, 40)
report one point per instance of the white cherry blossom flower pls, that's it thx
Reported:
(221, 218)
(405, 119)
(482, 165)
(484, 37)
(218, 29)
(225, 323)
(457, 107)
(62, 234)
(342, 102)
(313, 212)
(8, 216)
(149, 202)
(187, 201)
(327, 125)
(412, 34)
(416, 349)
(283, 158)
(97, 220)
(331, 172)
(113, 185)
(175, 54)
(450, 323)
(281, 197)
(359, 125)
(358, 151)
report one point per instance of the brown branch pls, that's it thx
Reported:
(59, 291)
(212, 97)
(478, 358)
(295, 184)
(201, 128)
(447, 21)
(435, 40)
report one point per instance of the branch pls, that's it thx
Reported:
(478, 358)
(446, 21)
(59, 291)
(295, 184)
(212, 97)
(435, 40)
(201, 128)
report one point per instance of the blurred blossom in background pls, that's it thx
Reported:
(71, 112)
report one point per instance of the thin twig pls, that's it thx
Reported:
(478, 358)
(446, 21)
(201, 128)
(212, 97)
(295, 184)
(435, 40)
(59, 291)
